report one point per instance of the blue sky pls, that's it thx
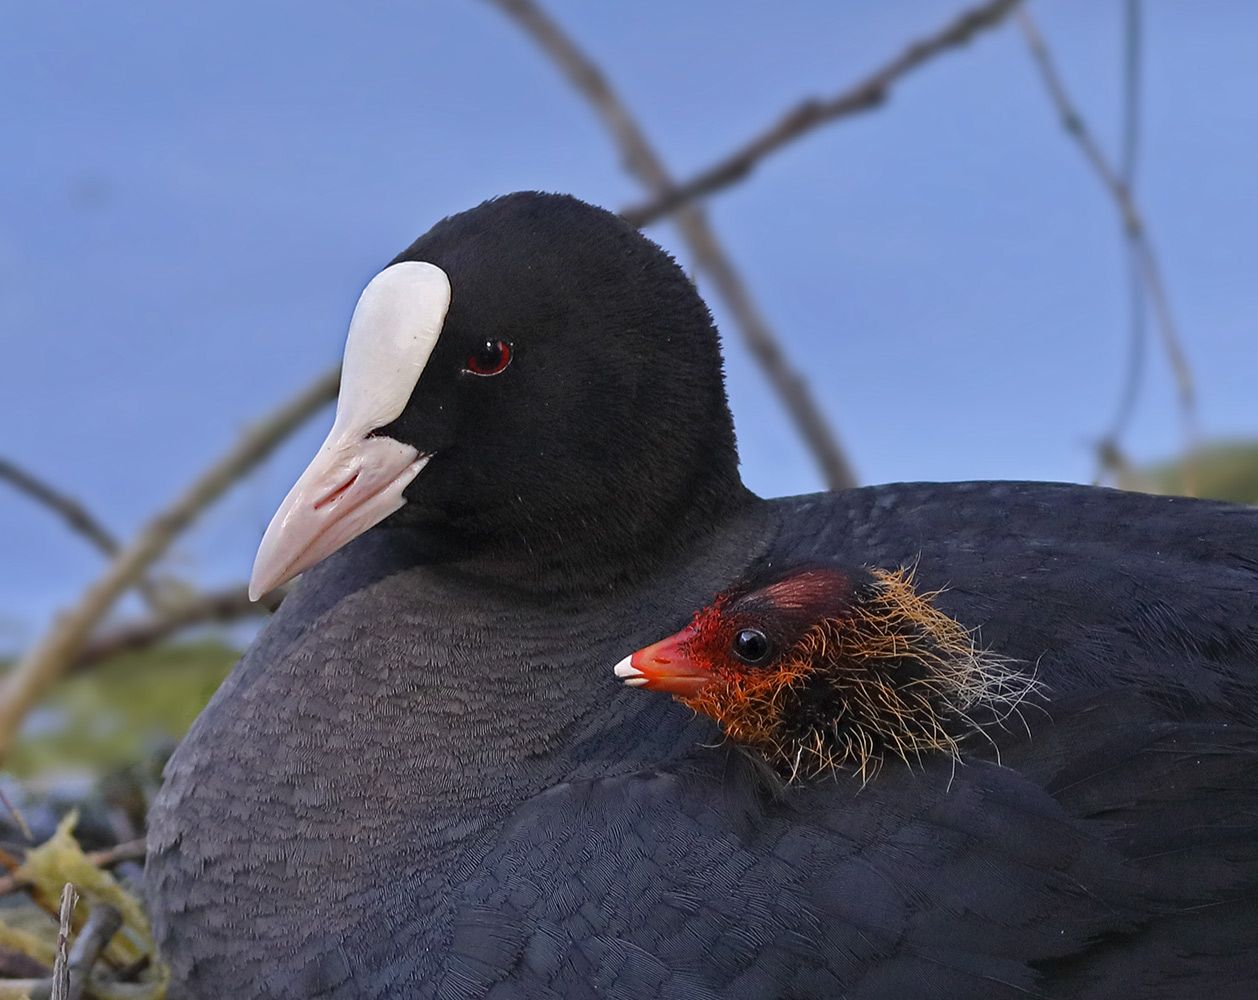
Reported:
(192, 197)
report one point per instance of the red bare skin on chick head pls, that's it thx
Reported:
(823, 668)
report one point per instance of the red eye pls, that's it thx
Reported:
(491, 358)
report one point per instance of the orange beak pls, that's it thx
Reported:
(666, 666)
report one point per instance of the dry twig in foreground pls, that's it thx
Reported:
(61, 968)
(73, 967)
(101, 925)
(865, 95)
(642, 161)
(69, 633)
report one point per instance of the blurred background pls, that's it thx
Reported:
(193, 196)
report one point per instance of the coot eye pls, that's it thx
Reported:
(751, 646)
(491, 358)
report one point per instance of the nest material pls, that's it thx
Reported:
(128, 967)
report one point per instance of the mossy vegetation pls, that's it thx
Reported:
(121, 711)
(48, 868)
(1222, 471)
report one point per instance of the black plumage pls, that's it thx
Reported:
(423, 780)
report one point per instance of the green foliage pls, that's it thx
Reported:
(118, 712)
(1223, 471)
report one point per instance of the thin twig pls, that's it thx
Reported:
(1133, 374)
(1137, 336)
(77, 517)
(16, 813)
(97, 931)
(866, 94)
(67, 636)
(129, 850)
(1132, 222)
(642, 161)
(61, 964)
(215, 607)
(70, 972)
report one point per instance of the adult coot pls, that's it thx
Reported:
(423, 781)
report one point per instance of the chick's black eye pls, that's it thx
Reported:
(491, 358)
(751, 646)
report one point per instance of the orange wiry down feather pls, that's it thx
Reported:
(894, 678)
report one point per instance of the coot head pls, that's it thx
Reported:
(531, 376)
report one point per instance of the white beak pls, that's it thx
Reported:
(357, 478)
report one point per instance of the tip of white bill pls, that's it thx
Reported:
(630, 674)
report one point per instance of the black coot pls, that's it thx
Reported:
(422, 780)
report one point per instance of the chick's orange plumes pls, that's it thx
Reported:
(860, 668)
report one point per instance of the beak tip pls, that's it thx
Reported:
(665, 666)
(628, 673)
(262, 580)
(265, 576)
(351, 485)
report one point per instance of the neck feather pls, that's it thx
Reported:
(592, 544)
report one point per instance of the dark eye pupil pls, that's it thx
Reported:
(491, 358)
(751, 646)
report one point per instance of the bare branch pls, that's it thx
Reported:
(16, 813)
(70, 972)
(1137, 336)
(215, 607)
(67, 636)
(864, 95)
(99, 928)
(1143, 253)
(128, 850)
(642, 161)
(77, 517)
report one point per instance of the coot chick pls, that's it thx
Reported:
(824, 668)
